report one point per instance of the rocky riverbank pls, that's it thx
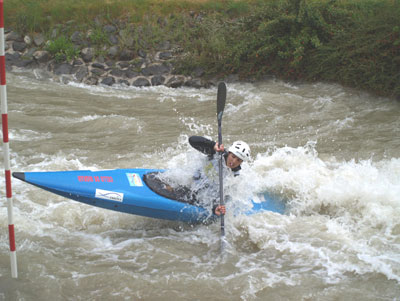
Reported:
(118, 63)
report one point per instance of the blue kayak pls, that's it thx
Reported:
(134, 191)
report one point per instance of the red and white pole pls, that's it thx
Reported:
(6, 147)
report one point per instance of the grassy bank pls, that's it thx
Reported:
(352, 42)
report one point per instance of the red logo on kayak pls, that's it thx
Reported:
(95, 179)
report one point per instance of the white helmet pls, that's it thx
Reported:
(241, 150)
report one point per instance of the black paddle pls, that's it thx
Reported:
(221, 97)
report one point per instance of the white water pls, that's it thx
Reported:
(331, 152)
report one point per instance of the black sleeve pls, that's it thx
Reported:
(203, 145)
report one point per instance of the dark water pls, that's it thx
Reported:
(332, 153)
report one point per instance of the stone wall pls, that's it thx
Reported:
(119, 65)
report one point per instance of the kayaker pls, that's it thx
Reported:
(238, 152)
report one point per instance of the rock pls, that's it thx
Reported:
(19, 46)
(87, 54)
(123, 65)
(176, 82)
(12, 58)
(194, 83)
(14, 36)
(165, 55)
(109, 81)
(41, 56)
(141, 82)
(156, 69)
(117, 72)
(126, 55)
(131, 73)
(98, 71)
(157, 80)
(123, 82)
(38, 39)
(27, 40)
(98, 65)
(92, 80)
(63, 68)
(82, 72)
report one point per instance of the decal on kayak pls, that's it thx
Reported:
(109, 195)
(134, 179)
(95, 179)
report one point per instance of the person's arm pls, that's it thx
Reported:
(202, 144)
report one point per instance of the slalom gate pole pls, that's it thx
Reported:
(6, 147)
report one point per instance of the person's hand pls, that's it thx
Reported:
(221, 209)
(219, 148)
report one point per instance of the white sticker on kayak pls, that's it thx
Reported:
(134, 179)
(109, 195)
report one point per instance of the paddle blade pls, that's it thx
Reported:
(221, 98)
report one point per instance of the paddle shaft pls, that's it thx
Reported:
(221, 98)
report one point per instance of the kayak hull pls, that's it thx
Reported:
(125, 190)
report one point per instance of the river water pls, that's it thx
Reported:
(332, 153)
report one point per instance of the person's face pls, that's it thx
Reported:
(232, 161)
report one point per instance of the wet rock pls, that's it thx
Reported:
(91, 80)
(157, 80)
(109, 81)
(63, 68)
(141, 82)
(123, 82)
(81, 73)
(176, 82)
